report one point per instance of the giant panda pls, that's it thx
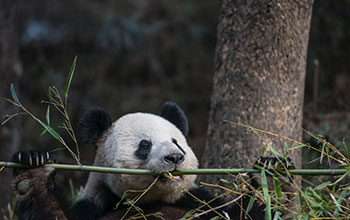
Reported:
(137, 141)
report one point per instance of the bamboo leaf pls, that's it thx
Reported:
(268, 215)
(267, 196)
(50, 130)
(274, 151)
(323, 185)
(322, 153)
(278, 190)
(286, 150)
(49, 94)
(337, 204)
(250, 204)
(313, 204)
(296, 147)
(262, 150)
(48, 115)
(13, 93)
(315, 194)
(277, 216)
(226, 181)
(124, 195)
(70, 76)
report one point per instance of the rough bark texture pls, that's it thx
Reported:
(10, 71)
(259, 80)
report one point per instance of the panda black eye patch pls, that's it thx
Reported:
(144, 149)
(178, 146)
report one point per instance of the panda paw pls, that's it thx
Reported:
(275, 167)
(274, 163)
(31, 158)
(29, 180)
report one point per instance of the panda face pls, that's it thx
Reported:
(147, 141)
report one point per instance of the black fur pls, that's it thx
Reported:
(87, 210)
(178, 146)
(90, 210)
(92, 125)
(173, 113)
(144, 149)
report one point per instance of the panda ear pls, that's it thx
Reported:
(173, 113)
(92, 125)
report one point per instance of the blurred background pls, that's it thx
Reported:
(134, 55)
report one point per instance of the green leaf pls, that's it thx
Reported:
(322, 153)
(48, 115)
(277, 216)
(323, 185)
(70, 76)
(286, 150)
(250, 204)
(306, 217)
(50, 130)
(226, 181)
(296, 147)
(124, 195)
(43, 132)
(278, 190)
(315, 194)
(13, 93)
(274, 151)
(314, 205)
(337, 203)
(267, 196)
(49, 94)
(262, 150)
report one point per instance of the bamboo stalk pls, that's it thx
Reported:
(182, 172)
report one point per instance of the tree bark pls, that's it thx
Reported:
(10, 71)
(259, 79)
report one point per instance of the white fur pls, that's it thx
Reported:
(117, 149)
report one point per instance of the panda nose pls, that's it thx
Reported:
(174, 158)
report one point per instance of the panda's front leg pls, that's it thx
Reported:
(39, 196)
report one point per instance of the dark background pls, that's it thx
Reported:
(134, 55)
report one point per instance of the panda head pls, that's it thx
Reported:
(141, 141)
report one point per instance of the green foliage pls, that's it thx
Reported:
(69, 78)
(56, 101)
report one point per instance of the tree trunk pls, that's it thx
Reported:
(259, 80)
(10, 71)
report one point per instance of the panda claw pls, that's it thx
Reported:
(41, 159)
(274, 163)
(30, 160)
(19, 157)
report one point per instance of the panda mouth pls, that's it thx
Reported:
(168, 177)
